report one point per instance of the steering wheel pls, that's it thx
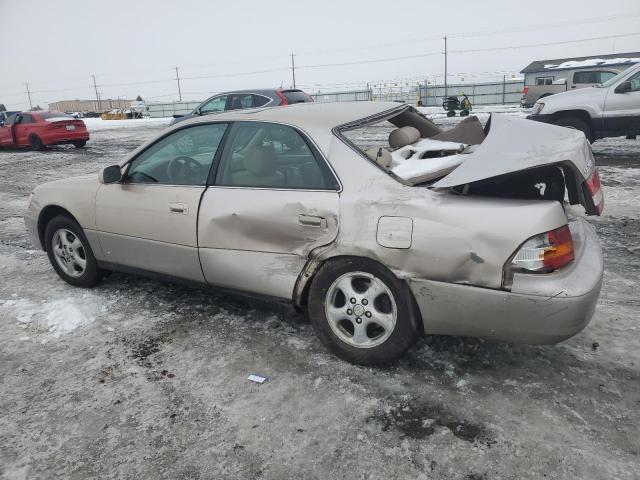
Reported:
(183, 169)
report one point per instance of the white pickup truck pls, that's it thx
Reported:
(610, 109)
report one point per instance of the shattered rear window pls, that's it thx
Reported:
(373, 135)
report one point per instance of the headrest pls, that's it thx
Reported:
(468, 131)
(401, 137)
(380, 155)
(261, 161)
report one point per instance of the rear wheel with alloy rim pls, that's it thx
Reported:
(361, 311)
(70, 254)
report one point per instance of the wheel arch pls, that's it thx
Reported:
(576, 113)
(313, 266)
(47, 214)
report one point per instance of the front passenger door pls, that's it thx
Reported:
(148, 220)
(622, 110)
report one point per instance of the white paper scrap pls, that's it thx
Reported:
(257, 378)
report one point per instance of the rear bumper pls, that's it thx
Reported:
(540, 118)
(64, 137)
(540, 309)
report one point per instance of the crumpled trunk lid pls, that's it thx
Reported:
(516, 145)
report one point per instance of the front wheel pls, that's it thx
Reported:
(70, 254)
(79, 143)
(361, 312)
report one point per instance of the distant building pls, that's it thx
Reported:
(89, 105)
(545, 72)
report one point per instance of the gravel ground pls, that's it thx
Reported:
(148, 380)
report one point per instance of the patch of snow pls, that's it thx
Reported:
(94, 124)
(592, 62)
(56, 317)
(407, 162)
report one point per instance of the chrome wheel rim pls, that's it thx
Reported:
(69, 252)
(361, 310)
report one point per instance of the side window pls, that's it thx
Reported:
(604, 76)
(544, 80)
(216, 104)
(586, 77)
(267, 155)
(26, 119)
(635, 83)
(182, 158)
(238, 102)
(259, 100)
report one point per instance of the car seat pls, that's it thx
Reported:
(260, 169)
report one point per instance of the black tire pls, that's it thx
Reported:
(451, 114)
(35, 142)
(79, 143)
(464, 113)
(577, 124)
(92, 273)
(401, 337)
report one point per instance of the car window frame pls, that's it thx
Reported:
(632, 77)
(269, 100)
(598, 72)
(210, 99)
(324, 165)
(127, 165)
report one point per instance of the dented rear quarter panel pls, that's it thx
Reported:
(454, 239)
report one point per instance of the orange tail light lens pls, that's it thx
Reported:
(546, 252)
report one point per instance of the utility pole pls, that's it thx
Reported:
(445, 67)
(293, 70)
(178, 80)
(95, 87)
(29, 96)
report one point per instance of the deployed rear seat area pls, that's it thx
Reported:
(419, 159)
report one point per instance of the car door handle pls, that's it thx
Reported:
(312, 221)
(178, 208)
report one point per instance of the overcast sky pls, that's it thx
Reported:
(56, 45)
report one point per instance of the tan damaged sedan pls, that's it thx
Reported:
(367, 215)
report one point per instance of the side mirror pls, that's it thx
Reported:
(111, 174)
(623, 87)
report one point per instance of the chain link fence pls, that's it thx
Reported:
(494, 93)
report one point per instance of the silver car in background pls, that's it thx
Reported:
(379, 236)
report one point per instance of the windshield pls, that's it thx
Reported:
(613, 80)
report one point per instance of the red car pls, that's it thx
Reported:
(40, 129)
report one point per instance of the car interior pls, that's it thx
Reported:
(270, 156)
(408, 144)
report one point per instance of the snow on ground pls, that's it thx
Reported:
(140, 378)
(95, 124)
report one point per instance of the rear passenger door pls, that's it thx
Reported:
(273, 199)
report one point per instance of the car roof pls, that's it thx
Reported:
(308, 116)
(262, 91)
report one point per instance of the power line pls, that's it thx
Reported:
(511, 47)
(379, 60)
